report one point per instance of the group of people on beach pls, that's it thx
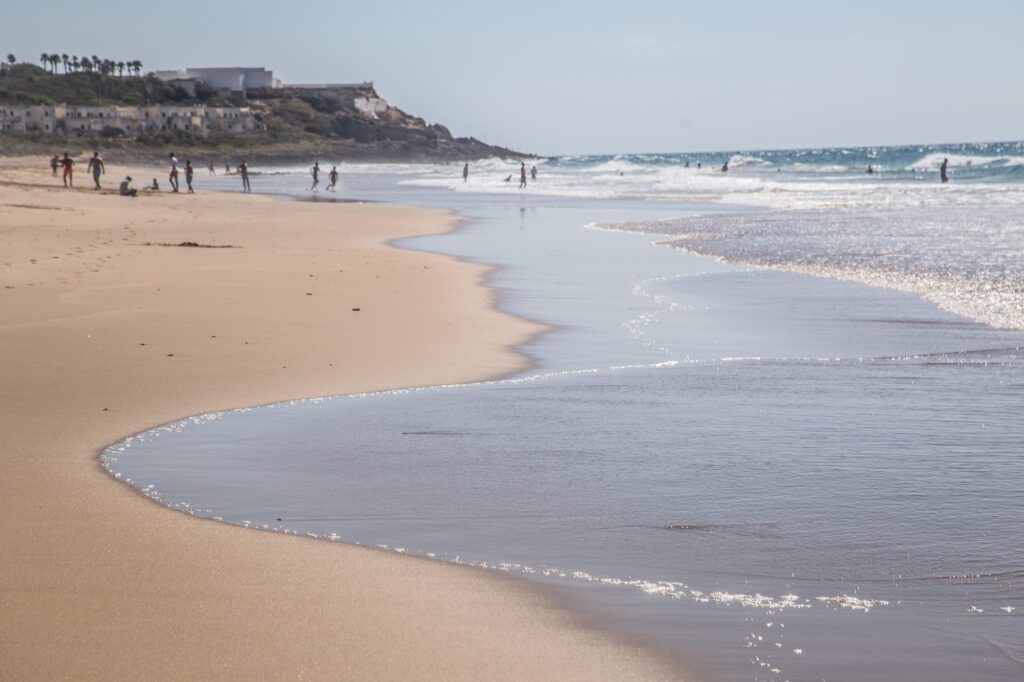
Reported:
(332, 176)
(64, 165)
(508, 178)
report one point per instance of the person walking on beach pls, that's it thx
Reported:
(522, 175)
(173, 178)
(333, 178)
(97, 168)
(54, 162)
(942, 171)
(465, 173)
(315, 172)
(243, 170)
(68, 164)
(211, 169)
(189, 171)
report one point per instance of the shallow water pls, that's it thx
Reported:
(774, 476)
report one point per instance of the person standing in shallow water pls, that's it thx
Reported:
(333, 178)
(942, 171)
(465, 173)
(315, 172)
(522, 175)
(243, 170)
(189, 172)
(97, 168)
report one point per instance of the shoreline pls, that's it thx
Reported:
(126, 588)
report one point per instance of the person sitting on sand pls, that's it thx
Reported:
(154, 187)
(126, 187)
(68, 164)
(97, 168)
(334, 178)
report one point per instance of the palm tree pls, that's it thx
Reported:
(86, 63)
(138, 68)
(64, 58)
(75, 63)
(120, 69)
(11, 59)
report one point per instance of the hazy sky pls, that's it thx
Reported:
(566, 77)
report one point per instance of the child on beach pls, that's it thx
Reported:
(334, 178)
(188, 176)
(54, 162)
(68, 164)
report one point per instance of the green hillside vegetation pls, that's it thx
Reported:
(30, 84)
(298, 122)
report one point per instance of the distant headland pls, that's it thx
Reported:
(93, 102)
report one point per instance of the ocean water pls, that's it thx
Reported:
(798, 459)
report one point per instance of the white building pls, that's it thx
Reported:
(196, 119)
(232, 78)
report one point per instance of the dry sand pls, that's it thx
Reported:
(104, 332)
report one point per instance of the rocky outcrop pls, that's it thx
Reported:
(355, 120)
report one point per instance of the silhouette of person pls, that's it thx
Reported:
(942, 171)
(97, 168)
(243, 170)
(725, 167)
(315, 172)
(533, 173)
(465, 173)
(522, 174)
(334, 178)
(54, 162)
(871, 170)
(189, 171)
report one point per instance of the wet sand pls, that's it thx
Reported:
(106, 330)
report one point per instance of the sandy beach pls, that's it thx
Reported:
(107, 327)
